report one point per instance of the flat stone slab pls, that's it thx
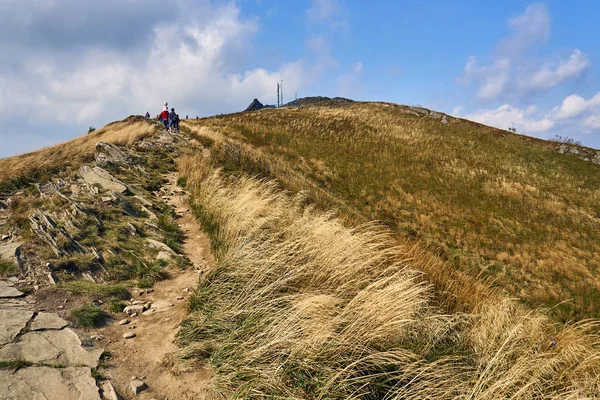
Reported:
(46, 383)
(11, 323)
(100, 176)
(52, 347)
(48, 321)
(7, 289)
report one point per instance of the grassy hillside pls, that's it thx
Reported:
(493, 204)
(41, 164)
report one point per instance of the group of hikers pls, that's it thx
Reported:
(169, 118)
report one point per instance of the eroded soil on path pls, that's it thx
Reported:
(147, 356)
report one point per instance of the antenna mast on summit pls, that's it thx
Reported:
(277, 94)
(281, 85)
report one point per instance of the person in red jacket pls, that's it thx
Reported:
(164, 115)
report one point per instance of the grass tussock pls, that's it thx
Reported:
(95, 290)
(8, 269)
(490, 203)
(21, 170)
(301, 306)
(88, 316)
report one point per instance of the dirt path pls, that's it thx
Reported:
(145, 355)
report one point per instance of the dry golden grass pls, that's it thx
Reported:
(71, 154)
(494, 205)
(302, 306)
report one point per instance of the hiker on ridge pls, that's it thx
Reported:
(147, 114)
(172, 116)
(164, 116)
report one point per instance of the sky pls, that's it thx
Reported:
(66, 65)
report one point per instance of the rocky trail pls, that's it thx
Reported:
(96, 270)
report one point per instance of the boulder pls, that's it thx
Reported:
(49, 384)
(110, 154)
(138, 308)
(97, 175)
(155, 244)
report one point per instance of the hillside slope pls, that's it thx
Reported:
(496, 205)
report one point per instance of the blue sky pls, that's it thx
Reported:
(67, 65)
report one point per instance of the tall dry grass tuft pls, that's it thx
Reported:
(301, 306)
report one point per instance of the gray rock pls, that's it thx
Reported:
(97, 175)
(151, 215)
(11, 323)
(135, 309)
(108, 391)
(52, 347)
(46, 383)
(128, 335)
(124, 321)
(137, 386)
(11, 251)
(143, 200)
(155, 244)
(45, 321)
(445, 120)
(8, 290)
(52, 278)
(163, 255)
(48, 230)
(110, 154)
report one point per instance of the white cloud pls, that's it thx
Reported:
(323, 10)
(574, 105)
(506, 116)
(191, 62)
(512, 72)
(572, 67)
(593, 121)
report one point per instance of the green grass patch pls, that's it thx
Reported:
(88, 316)
(13, 364)
(117, 306)
(172, 234)
(96, 290)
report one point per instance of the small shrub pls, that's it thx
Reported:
(8, 269)
(88, 316)
(91, 129)
(565, 140)
(117, 306)
(182, 181)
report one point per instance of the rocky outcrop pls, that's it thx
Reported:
(110, 154)
(99, 176)
(586, 154)
(55, 236)
(73, 383)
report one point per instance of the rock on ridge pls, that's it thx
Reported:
(100, 176)
(110, 154)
